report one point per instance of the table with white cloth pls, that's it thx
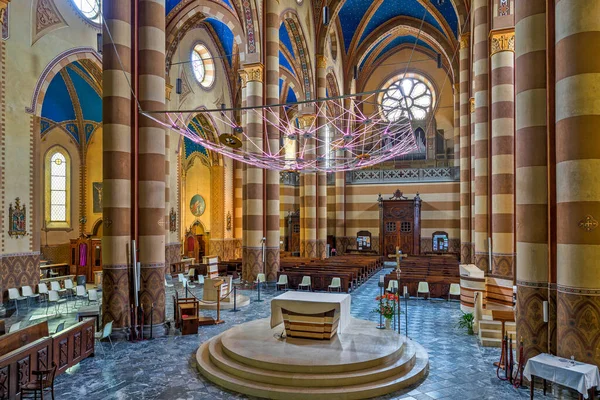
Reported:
(311, 315)
(582, 377)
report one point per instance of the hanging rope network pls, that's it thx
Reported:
(344, 141)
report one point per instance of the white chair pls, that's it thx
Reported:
(14, 327)
(305, 284)
(200, 279)
(13, 294)
(283, 281)
(27, 291)
(392, 286)
(167, 284)
(260, 279)
(80, 293)
(423, 289)
(54, 297)
(454, 290)
(92, 296)
(69, 287)
(54, 285)
(336, 284)
(187, 283)
(106, 332)
(43, 291)
(180, 278)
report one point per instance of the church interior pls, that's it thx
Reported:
(299, 199)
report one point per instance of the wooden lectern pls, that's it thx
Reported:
(503, 317)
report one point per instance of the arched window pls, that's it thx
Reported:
(409, 96)
(58, 185)
(90, 9)
(203, 65)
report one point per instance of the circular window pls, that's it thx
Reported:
(203, 65)
(90, 9)
(406, 97)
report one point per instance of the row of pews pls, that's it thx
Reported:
(352, 270)
(439, 271)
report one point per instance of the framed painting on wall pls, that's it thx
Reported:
(197, 205)
(97, 198)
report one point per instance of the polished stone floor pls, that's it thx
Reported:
(164, 368)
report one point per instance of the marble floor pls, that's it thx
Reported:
(165, 368)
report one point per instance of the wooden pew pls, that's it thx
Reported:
(65, 348)
(320, 280)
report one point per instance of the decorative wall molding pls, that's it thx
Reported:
(252, 73)
(588, 223)
(46, 18)
(4, 18)
(465, 39)
(405, 175)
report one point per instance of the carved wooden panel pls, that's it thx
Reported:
(4, 382)
(400, 222)
(89, 339)
(63, 353)
(76, 345)
(42, 358)
(23, 372)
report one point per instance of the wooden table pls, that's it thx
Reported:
(63, 268)
(87, 312)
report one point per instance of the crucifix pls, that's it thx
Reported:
(398, 256)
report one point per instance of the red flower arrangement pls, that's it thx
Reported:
(387, 305)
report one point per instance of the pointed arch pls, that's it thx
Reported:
(292, 24)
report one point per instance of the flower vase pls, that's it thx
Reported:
(388, 323)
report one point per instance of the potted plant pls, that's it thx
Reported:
(466, 320)
(387, 307)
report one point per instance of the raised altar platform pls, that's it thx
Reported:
(361, 362)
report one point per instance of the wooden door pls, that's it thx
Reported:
(400, 223)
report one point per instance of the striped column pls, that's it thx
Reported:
(252, 256)
(151, 161)
(244, 169)
(457, 124)
(531, 174)
(502, 171)
(116, 162)
(309, 196)
(237, 199)
(321, 176)
(577, 179)
(480, 77)
(272, 177)
(465, 149)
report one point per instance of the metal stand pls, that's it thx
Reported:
(234, 300)
(406, 313)
(381, 324)
(259, 299)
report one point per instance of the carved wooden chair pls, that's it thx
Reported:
(43, 383)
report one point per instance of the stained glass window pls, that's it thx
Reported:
(57, 189)
(202, 65)
(91, 9)
(406, 97)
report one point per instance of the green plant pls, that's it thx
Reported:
(466, 320)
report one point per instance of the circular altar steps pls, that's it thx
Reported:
(363, 362)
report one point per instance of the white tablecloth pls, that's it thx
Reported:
(311, 303)
(580, 376)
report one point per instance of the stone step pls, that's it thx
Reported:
(495, 333)
(253, 373)
(356, 391)
(485, 324)
(490, 342)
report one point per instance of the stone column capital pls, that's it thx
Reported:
(465, 40)
(321, 61)
(503, 40)
(252, 73)
(306, 120)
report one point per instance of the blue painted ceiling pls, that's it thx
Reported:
(410, 40)
(283, 62)
(353, 12)
(291, 96)
(171, 4)
(58, 106)
(284, 38)
(224, 34)
(190, 146)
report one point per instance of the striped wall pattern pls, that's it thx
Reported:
(116, 162)
(272, 177)
(465, 148)
(531, 174)
(151, 201)
(243, 166)
(331, 210)
(308, 244)
(301, 207)
(577, 42)
(238, 173)
(503, 157)
(439, 210)
(252, 262)
(340, 204)
(472, 118)
(456, 139)
(321, 176)
(480, 78)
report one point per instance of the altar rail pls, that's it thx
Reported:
(404, 175)
(65, 348)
